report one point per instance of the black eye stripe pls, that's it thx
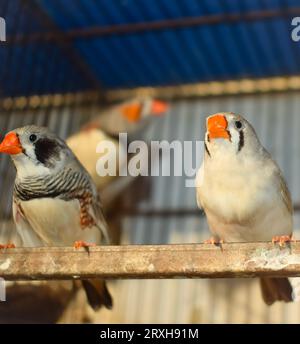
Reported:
(241, 141)
(207, 151)
(229, 134)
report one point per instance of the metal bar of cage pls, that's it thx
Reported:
(152, 261)
(120, 29)
(278, 85)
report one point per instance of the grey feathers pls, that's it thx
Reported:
(66, 185)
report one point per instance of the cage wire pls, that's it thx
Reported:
(53, 49)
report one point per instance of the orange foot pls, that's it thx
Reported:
(214, 241)
(79, 244)
(9, 245)
(282, 240)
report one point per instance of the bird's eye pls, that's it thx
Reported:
(32, 138)
(238, 125)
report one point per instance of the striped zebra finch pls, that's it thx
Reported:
(55, 201)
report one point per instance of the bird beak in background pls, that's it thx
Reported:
(132, 112)
(159, 107)
(217, 127)
(11, 144)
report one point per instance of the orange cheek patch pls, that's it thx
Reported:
(86, 220)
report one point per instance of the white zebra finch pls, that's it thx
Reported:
(129, 117)
(243, 193)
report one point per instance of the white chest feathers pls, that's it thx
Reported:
(56, 222)
(241, 198)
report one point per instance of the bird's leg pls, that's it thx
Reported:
(214, 241)
(78, 244)
(9, 245)
(282, 240)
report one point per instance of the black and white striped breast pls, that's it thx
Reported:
(65, 185)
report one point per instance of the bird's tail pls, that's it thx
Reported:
(295, 282)
(276, 289)
(97, 294)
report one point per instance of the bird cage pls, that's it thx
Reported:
(63, 63)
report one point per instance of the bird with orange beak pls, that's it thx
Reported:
(55, 202)
(243, 193)
(129, 117)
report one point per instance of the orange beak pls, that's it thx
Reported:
(159, 107)
(132, 112)
(11, 144)
(217, 127)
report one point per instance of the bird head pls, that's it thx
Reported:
(229, 132)
(135, 110)
(34, 150)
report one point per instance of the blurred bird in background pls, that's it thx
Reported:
(55, 201)
(130, 117)
(243, 193)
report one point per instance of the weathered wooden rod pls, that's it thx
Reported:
(151, 261)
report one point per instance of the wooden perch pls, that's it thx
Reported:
(151, 261)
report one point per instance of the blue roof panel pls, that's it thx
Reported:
(227, 50)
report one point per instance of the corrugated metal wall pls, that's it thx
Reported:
(277, 122)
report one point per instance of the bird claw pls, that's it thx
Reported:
(9, 245)
(214, 241)
(78, 244)
(282, 240)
